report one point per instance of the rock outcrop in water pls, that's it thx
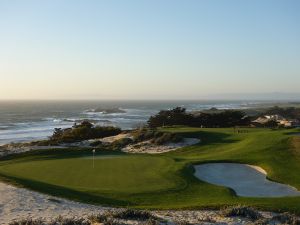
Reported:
(107, 110)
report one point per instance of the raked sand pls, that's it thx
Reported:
(245, 180)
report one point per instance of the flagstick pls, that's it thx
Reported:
(94, 158)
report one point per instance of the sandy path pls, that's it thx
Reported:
(245, 180)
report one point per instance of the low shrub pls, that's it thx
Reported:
(156, 137)
(263, 221)
(28, 222)
(54, 200)
(287, 218)
(69, 221)
(144, 134)
(96, 143)
(104, 219)
(242, 211)
(83, 131)
(58, 221)
(132, 214)
(152, 222)
(166, 138)
(121, 143)
(111, 217)
(182, 222)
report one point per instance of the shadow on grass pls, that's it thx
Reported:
(51, 154)
(293, 133)
(209, 137)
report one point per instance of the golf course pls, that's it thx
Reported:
(162, 181)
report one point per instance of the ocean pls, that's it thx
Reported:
(22, 121)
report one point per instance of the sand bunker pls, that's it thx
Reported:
(245, 180)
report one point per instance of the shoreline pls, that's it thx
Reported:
(137, 112)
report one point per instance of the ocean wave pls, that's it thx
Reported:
(4, 127)
(79, 120)
(51, 119)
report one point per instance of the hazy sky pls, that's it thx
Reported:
(155, 49)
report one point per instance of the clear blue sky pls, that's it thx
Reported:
(155, 49)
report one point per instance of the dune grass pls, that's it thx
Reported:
(166, 180)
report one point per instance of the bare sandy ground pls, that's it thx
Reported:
(245, 180)
(115, 138)
(19, 203)
(142, 147)
(147, 147)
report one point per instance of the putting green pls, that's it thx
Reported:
(165, 180)
(111, 173)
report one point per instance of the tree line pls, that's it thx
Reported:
(179, 116)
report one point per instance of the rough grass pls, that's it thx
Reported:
(295, 142)
(163, 181)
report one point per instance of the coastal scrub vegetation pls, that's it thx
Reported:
(57, 221)
(155, 136)
(133, 216)
(242, 211)
(79, 132)
(179, 116)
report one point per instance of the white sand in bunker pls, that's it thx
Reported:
(245, 180)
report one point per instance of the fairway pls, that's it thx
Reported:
(165, 180)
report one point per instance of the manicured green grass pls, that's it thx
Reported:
(118, 174)
(162, 181)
